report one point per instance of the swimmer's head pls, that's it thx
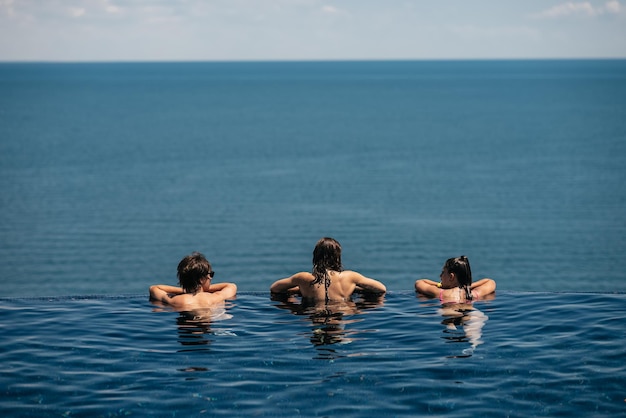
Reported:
(193, 271)
(460, 267)
(327, 255)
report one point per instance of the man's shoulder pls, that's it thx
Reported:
(180, 301)
(203, 300)
(209, 297)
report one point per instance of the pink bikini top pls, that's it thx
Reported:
(453, 301)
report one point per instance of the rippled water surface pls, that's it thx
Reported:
(520, 354)
(111, 173)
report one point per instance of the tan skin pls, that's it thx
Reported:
(208, 295)
(481, 289)
(342, 285)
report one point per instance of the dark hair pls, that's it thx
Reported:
(460, 266)
(193, 271)
(326, 256)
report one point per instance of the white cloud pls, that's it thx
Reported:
(579, 9)
(567, 9)
(55, 11)
(474, 32)
(332, 10)
(613, 7)
(7, 7)
(112, 9)
(76, 12)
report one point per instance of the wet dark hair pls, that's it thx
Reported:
(460, 266)
(326, 256)
(193, 271)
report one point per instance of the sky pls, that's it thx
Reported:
(253, 30)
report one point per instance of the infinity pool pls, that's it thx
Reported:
(520, 354)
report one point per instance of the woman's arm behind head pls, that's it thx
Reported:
(427, 287)
(483, 287)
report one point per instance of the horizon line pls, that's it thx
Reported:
(320, 60)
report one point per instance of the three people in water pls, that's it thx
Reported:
(327, 282)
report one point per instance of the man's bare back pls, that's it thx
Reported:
(174, 296)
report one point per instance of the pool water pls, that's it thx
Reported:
(520, 354)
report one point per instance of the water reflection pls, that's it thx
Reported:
(463, 324)
(329, 320)
(195, 328)
(194, 332)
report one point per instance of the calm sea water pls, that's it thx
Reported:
(110, 173)
(518, 355)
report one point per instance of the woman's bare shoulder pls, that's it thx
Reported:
(303, 276)
(353, 274)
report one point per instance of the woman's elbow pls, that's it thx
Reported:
(486, 288)
(422, 287)
(490, 285)
(276, 288)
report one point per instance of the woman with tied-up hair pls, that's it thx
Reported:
(456, 284)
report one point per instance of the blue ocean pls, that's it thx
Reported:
(110, 173)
